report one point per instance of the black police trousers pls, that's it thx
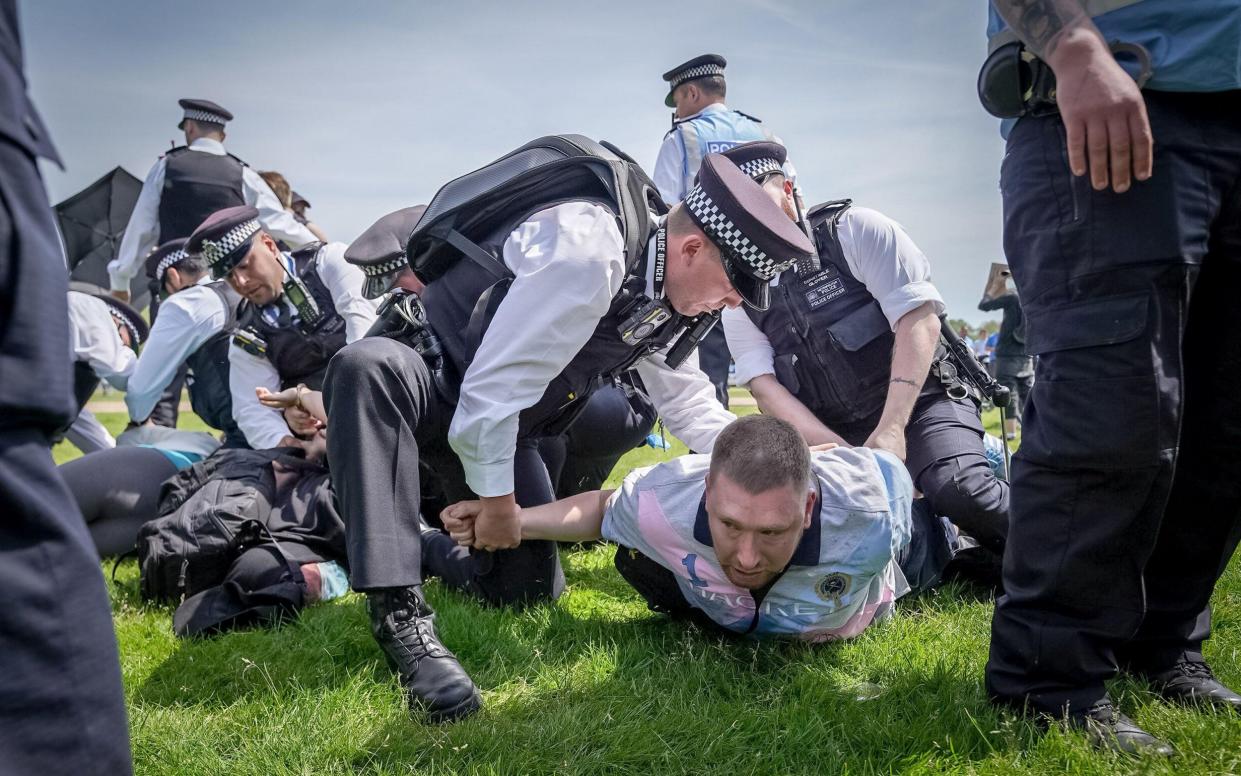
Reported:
(945, 458)
(389, 432)
(61, 704)
(1127, 487)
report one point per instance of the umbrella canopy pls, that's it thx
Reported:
(92, 223)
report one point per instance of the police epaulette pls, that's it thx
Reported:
(748, 116)
(249, 341)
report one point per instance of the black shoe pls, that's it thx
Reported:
(404, 625)
(1107, 728)
(1191, 682)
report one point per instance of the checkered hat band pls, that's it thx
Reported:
(383, 269)
(167, 262)
(121, 319)
(757, 168)
(725, 234)
(202, 115)
(217, 251)
(696, 72)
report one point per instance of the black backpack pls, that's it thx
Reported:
(209, 514)
(543, 171)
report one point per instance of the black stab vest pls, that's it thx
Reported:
(298, 356)
(832, 342)
(207, 380)
(461, 303)
(196, 184)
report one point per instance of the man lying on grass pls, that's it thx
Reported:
(763, 537)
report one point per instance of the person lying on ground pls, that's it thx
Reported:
(763, 537)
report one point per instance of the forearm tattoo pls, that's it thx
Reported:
(1040, 22)
(904, 381)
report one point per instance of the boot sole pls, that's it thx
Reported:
(463, 709)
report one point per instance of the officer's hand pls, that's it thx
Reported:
(498, 526)
(459, 520)
(1105, 119)
(888, 438)
(122, 295)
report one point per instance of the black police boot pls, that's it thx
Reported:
(404, 625)
(1192, 682)
(1107, 728)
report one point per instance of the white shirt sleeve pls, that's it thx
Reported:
(752, 351)
(276, 221)
(669, 175)
(141, 233)
(264, 427)
(345, 282)
(93, 338)
(569, 263)
(87, 434)
(686, 400)
(884, 258)
(186, 320)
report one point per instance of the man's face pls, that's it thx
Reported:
(780, 189)
(755, 534)
(259, 277)
(694, 280)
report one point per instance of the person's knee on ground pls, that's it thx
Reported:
(972, 497)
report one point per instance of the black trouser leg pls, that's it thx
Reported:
(1106, 281)
(117, 492)
(946, 460)
(525, 574)
(61, 705)
(382, 406)
(1202, 520)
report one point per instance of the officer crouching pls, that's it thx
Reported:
(297, 310)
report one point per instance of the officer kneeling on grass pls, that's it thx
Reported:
(572, 268)
(762, 537)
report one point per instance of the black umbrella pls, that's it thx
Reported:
(92, 223)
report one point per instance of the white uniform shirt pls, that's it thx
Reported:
(569, 263)
(186, 320)
(264, 427)
(673, 177)
(142, 232)
(93, 339)
(880, 255)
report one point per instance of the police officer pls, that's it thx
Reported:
(194, 329)
(763, 537)
(191, 182)
(617, 417)
(1126, 496)
(850, 352)
(554, 335)
(104, 336)
(297, 310)
(702, 125)
(61, 703)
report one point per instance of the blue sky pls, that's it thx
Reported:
(370, 106)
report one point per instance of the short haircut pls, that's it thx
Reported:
(712, 85)
(207, 127)
(761, 452)
(679, 221)
(280, 186)
(193, 264)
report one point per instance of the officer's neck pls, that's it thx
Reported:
(704, 107)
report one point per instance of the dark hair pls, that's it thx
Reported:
(207, 127)
(712, 84)
(761, 452)
(280, 185)
(193, 264)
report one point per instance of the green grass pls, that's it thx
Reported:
(595, 683)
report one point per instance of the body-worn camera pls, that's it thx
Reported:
(644, 321)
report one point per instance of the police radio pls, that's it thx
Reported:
(308, 311)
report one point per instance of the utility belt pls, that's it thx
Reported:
(403, 317)
(1013, 82)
